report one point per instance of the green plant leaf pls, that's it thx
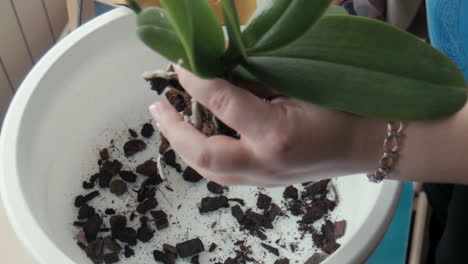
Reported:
(236, 43)
(240, 73)
(263, 22)
(200, 33)
(270, 31)
(335, 10)
(365, 67)
(156, 32)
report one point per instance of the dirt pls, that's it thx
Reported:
(210, 204)
(104, 154)
(109, 211)
(270, 249)
(146, 205)
(191, 175)
(212, 248)
(128, 176)
(168, 248)
(313, 206)
(179, 101)
(170, 159)
(263, 201)
(149, 168)
(86, 212)
(111, 244)
(291, 192)
(144, 232)
(81, 200)
(160, 219)
(118, 187)
(147, 130)
(190, 248)
(132, 133)
(133, 146)
(215, 188)
(282, 261)
(128, 251)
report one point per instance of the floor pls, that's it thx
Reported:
(11, 249)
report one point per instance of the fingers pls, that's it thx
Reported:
(229, 179)
(258, 89)
(224, 179)
(219, 154)
(235, 106)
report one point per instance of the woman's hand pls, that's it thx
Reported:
(282, 142)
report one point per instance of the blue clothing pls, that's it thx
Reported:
(448, 29)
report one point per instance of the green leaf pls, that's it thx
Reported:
(240, 73)
(272, 31)
(335, 10)
(180, 16)
(156, 32)
(200, 33)
(365, 67)
(236, 43)
(263, 22)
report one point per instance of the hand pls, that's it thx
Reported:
(284, 141)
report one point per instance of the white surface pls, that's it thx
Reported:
(55, 120)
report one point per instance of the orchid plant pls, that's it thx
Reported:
(311, 50)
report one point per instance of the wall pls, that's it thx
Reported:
(28, 28)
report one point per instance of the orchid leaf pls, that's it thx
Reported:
(236, 50)
(200, 33)
(287, 22)
(156, 32)
(312, 51)
(366, 67)
(263, 21)
(242, 74)
(335, 10)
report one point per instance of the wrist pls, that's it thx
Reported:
(431, 151)
(367, 139)
(435, 151)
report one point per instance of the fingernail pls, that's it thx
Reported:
(154, 109)
(157, 125)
